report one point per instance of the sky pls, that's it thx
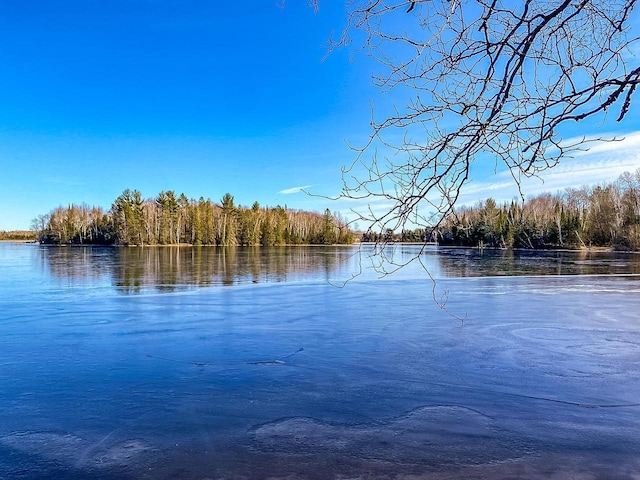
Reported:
(203, 97)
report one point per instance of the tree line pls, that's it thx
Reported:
(17, 236)
(170, 219)
(601, 216)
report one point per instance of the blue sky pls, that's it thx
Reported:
(203, 98)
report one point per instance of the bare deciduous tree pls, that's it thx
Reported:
(481, 79)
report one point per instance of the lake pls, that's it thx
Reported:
(307, 363)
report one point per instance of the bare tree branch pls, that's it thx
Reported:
(480, 79)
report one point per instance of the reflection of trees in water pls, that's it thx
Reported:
(76, 263)
(473, 262)
(168, 268)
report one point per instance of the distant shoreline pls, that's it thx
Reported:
(18, 236)
(182, 245)
(428, 244)
(469, 247)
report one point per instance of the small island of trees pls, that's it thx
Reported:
(170, 219)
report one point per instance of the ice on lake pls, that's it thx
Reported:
(262, 363)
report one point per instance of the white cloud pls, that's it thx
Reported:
(484, 188)
(289, 191)
(602, 163)
(614, 142)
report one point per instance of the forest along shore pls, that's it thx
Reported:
(18, 236)
(170, 219)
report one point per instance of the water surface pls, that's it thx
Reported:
(249, 363)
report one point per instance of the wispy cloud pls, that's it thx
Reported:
(485, 188)
(614, 142)
(289, 191)
(602, 163)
